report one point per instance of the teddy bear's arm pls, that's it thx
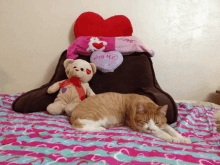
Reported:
(55, 87)
(89, 91)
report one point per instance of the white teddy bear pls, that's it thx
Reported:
(74, 89)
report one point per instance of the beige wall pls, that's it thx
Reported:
(185, 34)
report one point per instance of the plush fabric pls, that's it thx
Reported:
(134, 75)
(106, 61)
(118, 25)
(75, 81)
(73, 89)
(86, 45)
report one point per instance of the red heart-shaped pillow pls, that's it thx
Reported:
(92, 24)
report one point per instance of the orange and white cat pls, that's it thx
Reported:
(139, 112)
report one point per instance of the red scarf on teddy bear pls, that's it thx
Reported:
(75, 81)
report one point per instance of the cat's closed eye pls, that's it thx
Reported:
(141, 122)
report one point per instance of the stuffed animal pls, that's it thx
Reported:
(74, 89)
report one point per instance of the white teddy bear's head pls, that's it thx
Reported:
(79, 68)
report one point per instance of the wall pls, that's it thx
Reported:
(184, 34)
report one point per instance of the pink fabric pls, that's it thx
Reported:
(86, 45)
(106, 61)
(41, 138)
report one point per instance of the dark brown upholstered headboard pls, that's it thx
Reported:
(134, 75)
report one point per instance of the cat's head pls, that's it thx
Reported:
(149, 117)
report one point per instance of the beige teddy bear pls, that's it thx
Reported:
(74, 89)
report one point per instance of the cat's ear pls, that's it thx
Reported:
(140, 107)
(163, 109)
(132, 114)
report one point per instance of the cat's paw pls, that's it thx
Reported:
(99, 129)
(184, 140)
(172, 139)
(175, 140)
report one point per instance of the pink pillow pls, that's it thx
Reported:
(106, 61)
(86, 45)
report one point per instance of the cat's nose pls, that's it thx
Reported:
(76, 70)
(148, 129)
(152, 130)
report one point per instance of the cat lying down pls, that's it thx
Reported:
(139, 112)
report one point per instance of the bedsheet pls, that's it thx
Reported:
(40, 138)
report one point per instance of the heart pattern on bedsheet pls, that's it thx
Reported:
(42, 138)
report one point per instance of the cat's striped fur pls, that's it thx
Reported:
(139, 112)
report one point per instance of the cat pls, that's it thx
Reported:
(111, 109)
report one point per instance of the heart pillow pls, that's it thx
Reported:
(106, 61)
(92, 24)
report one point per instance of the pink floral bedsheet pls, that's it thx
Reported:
(40, 138)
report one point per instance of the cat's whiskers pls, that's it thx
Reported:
(151, 127)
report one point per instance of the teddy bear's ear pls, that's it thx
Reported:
(93, 68)
(67, 62)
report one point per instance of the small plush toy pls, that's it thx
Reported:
(74, 89)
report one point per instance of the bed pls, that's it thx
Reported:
(41, 138)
